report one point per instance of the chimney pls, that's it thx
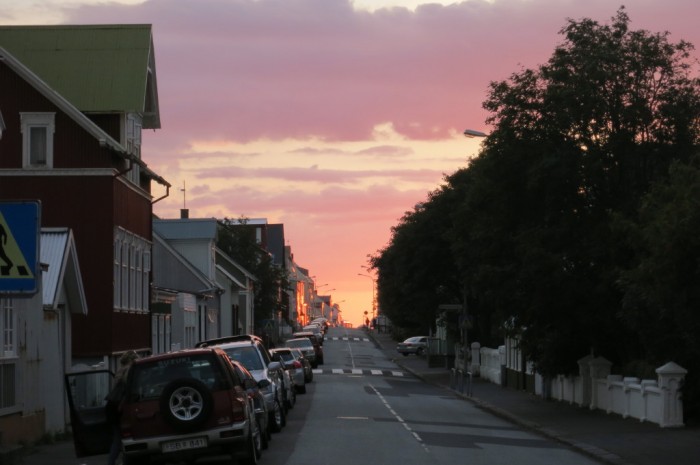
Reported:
(184, 213)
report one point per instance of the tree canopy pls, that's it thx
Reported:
(237, 239)
(575, 228)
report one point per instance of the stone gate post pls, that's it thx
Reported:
(671, 378)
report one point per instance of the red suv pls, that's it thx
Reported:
(181, 406)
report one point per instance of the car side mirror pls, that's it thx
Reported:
(274, 366)
(263, 383)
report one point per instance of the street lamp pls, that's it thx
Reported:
(373, 281)
(471, 133)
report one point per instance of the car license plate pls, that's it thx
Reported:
(184, 444)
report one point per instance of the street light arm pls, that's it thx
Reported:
(471, 133)
(374, 308)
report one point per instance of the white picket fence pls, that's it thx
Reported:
(656, 401)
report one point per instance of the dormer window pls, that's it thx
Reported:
(37, 139)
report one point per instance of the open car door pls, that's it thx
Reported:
(86, 390)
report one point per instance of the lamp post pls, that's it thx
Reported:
(471, 133)
(373, 282)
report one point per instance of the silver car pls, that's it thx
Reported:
(413, 345)
(307, 348)
(293, 366)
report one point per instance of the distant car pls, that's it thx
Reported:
(413, 345)
(172, 411)
(293, 367)
(322, 322)
(316, 329)
(306, 365)
(318, 348)
(307, 348)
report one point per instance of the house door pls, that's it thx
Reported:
(92, 434)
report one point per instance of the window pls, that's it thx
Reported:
(132, 265)
(8, 323)
(133, 144)
(8, 354)
(37, 139)
(117, 273)
(146, 278)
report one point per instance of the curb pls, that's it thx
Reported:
(589, 450)
(594, 452)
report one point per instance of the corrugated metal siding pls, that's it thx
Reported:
(52, 252)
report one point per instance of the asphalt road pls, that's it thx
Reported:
(363, 408)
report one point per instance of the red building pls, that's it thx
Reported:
(74, 100)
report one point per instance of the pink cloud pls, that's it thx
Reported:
(316, 67)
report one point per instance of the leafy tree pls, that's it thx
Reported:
(661, 292)
(588, 132)
(538, 225)
(416, 272)
(237, 239)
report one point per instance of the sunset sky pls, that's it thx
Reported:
(333, 117)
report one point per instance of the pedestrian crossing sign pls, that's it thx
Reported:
(19, 247)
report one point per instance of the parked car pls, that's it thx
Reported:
(307, 348)
(255, 392)
(316, 329)
(173, 409)
(306, 365)
(290, 392)
(413, 345)
(318, 348)
(249, 351)
(292, 366)
(322, 322)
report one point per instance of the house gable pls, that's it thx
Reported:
(98, 68)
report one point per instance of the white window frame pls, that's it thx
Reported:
(8, 329)
(134, 128)
(117, 273)
(132, 265)
(146, 286)
(8, 356)
(31, 121)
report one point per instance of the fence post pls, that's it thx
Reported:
(671, 378)
(476, 358)
(502, 361)
(599, 368)
(584, 371)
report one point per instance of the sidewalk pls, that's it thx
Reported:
(608, 438)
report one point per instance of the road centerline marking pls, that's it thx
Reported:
(399, 419)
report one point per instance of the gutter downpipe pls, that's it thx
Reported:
(130, 158)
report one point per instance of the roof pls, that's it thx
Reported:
(98, 68)
(174, 229)
(195, 273)
(59, 253)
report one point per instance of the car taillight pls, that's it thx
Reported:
(296, 364)
(238, 403)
